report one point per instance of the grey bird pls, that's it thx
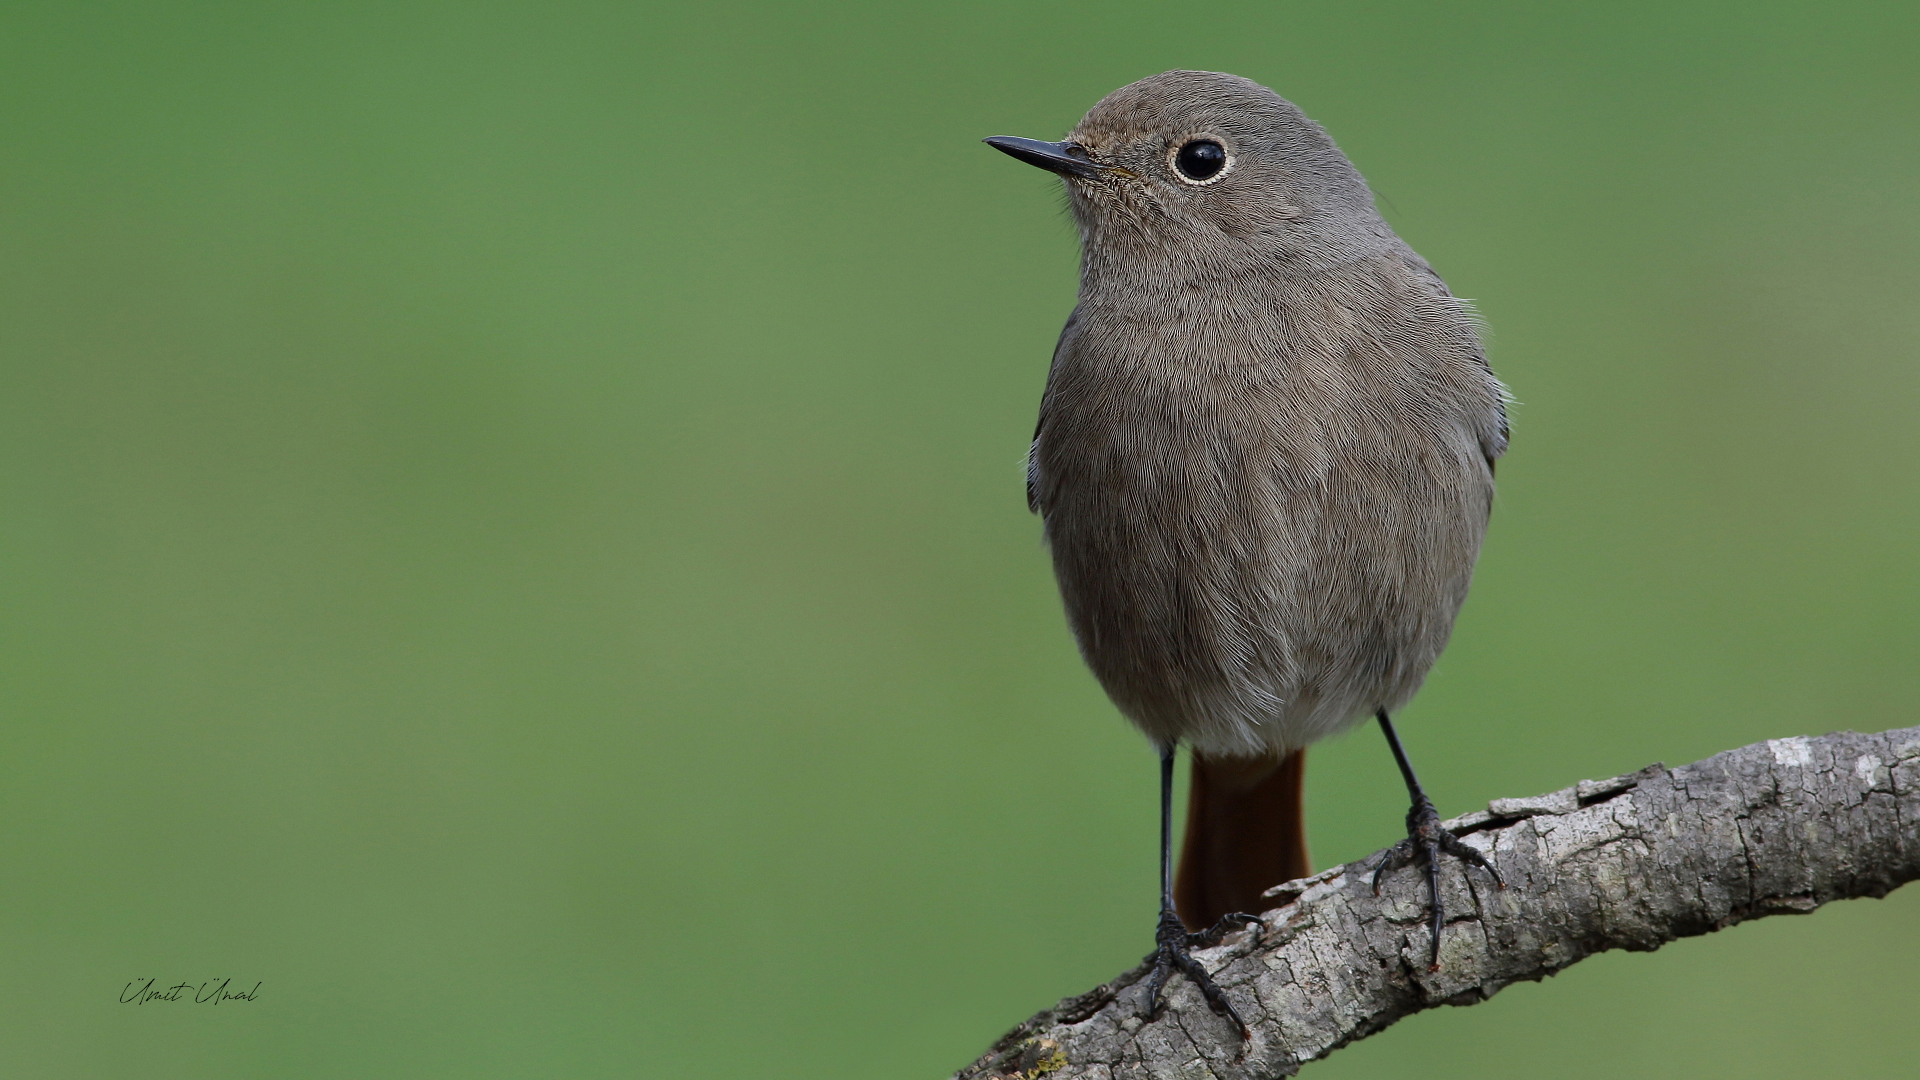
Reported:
(1264, 464)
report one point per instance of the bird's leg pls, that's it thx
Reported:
(1426, 839)
(1172, 942)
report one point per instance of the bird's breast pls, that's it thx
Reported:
(1253, 535)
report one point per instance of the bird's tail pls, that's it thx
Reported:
(1246, 833)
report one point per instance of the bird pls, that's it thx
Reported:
(1263, 465)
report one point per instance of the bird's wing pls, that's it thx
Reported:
(1040, 424)
(1493, 443)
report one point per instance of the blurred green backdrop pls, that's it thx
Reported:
(513, 531)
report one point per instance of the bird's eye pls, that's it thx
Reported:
(1200, 160)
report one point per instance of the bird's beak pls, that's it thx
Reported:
(1065, 158)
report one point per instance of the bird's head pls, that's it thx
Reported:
(1202, 165)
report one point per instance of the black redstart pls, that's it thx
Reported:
(1264, 464)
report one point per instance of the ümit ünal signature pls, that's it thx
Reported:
(211, 992)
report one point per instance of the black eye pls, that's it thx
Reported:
(1201, 159)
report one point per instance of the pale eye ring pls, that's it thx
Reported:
(1200, 160)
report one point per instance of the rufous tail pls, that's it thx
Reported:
(1246, 833)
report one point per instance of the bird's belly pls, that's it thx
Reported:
(1245, 604)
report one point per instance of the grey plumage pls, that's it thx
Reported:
(1265, 453)
(1265, 463)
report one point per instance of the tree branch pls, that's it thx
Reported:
(1775, 828)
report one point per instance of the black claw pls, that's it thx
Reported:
(1426, 840)
(1171, 954)
(1226, 924)
(1397, 856)
(1451, 845)
(1162, 971)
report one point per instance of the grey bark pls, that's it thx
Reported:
(1634, 862)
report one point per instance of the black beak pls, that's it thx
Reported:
(1064, 158)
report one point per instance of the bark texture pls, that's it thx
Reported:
(1634, 862)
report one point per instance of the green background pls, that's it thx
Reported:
(513, 533)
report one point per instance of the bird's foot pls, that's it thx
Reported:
(1171, 954)
(1426, 840)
